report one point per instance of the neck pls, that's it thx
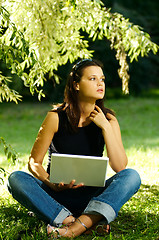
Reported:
(86, 108)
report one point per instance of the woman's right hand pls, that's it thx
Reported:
(58, 187)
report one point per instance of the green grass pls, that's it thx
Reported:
(138, 218)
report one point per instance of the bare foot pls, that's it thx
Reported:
(75, 228)
(63, 230)
(69, 220)
(101, 229)
(56, 232)
(70, 230)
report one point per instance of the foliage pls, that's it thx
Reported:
(2, 171)
(37, 37)
(5, 92)
(14, 50)
(144, 73)
(11, 155)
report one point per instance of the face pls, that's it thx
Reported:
(91, 86)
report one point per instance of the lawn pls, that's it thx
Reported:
(138, 119)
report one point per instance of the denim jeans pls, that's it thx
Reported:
(53, 207)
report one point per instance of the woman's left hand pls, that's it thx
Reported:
(98, 117)
(61, 186)
(112, 137)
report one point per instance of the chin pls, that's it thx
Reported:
(99, 98)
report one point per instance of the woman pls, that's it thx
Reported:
(81, 125)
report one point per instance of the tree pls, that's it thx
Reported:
(38, 36)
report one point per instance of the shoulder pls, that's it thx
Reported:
(112, 120)
(52, 116)
(111, 117)
(51, 121)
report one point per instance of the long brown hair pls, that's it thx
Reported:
(71, 96)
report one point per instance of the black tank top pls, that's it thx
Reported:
(87, 140)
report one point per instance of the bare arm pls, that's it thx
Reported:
(112, 137)
(40, 147)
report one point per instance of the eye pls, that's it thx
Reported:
(103, 79)
(92, 78)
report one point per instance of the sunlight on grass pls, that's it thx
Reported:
(146, 162)
(138, 119)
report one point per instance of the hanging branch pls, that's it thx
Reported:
(34, 44)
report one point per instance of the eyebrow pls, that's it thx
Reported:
(96, 75)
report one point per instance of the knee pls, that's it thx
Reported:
(132, 179)
(15, 180)
(15, 176)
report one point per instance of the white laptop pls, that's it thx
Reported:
(89, 170)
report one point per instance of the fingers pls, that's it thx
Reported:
(98, 108)
(95, 112)
(79, 185)
(70, 185)
(58, 186)
(110, 116)
(61, 184)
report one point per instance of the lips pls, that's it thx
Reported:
(100, 90)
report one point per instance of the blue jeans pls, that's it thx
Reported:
(53, 207)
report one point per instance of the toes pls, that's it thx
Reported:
(69, 220)
(50, 229)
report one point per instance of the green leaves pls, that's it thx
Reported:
(2, 171)
(6, 93)
(37, 37)
(11, 155)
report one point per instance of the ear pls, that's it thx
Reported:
(76, 86)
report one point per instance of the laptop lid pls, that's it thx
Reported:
(89, 170)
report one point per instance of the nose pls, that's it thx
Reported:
(100, 82)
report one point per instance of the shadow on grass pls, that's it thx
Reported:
(138, 219)
(17, 224)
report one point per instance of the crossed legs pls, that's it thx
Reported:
(75, 227)
(106, 202)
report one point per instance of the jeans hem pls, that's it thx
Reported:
(64, 213)
(97, 207)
